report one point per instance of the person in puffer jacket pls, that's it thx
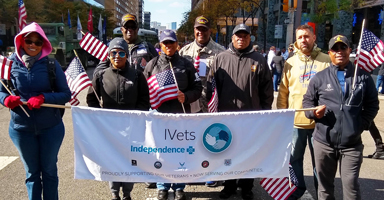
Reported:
(345, 107)
(37, 138)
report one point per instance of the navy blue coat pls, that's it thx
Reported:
(33, 82)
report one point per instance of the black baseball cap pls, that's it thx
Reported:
(337, 39)
(202, 21)
(241, 27)
(128, 17)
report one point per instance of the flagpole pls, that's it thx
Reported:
(182, 105)
(358, 54)
(98, 99)
(14, 95)
(51, 105)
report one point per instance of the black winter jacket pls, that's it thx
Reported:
(346, 116)
(124, 89)
(186, 77)
(243, 81)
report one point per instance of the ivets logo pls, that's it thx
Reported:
(217, 138)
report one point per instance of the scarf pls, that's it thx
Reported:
(29, 60)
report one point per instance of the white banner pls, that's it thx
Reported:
(135, 146)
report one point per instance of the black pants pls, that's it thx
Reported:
(244, 184)
(375, 133)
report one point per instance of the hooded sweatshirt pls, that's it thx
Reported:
(34, 81)
(298, 71)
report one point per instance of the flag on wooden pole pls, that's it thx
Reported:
(94, 47)
(5, 71)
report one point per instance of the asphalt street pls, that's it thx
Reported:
(12, 173)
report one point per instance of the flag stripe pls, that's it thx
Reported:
(371, 53)
(5, 71)
(77, 80)
(94, 46)
(162, 88)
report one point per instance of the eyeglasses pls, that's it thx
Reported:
(130, 27)
(121, 54)
(168, 42)
(339, 48)
(37, 43)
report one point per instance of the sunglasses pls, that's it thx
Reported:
(121, 53)
(339, 48)
(37, 43)
(168, 42)
(130, 27)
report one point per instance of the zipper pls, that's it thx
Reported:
(341, 108)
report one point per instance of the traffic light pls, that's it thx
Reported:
(292, 4)
(284, 3)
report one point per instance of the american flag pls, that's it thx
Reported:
(22, 15)
(279, 188)
(77, 80)
(196, 64)
(371, 52)
(162, 87)
(213, 103)
(94, 46)
(5, 71)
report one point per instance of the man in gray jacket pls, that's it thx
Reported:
(202, 52)
(243, 83)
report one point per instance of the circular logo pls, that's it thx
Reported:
(158, 165)
(205, 164)
(217, 138)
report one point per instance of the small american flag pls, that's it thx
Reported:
(22, 15)
(5, 71)
(213, 103)
(77, 80)
(196, 64)
(279, 188)
(162, 87)
(371, 52)
(94, 46)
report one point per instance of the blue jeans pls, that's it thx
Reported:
(167, 186)
(299, 143)
(380, 81)
(38, 151)
(276, 80)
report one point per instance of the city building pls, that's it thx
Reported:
(140, 14)
(147, 20)
(121, 7)
(173, 25)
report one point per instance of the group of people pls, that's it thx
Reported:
(242, 77)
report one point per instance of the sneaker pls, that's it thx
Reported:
(247, 195)
(211, 183)
(150, 185)
(162, 195)
(127, 198)
(225, 194)
(180, 195)
(378, 155)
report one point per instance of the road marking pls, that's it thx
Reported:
(6, 160)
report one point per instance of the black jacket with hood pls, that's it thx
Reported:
(186, 77)
(347, 115)
(243, 80)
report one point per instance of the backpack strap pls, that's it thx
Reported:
(51, 68)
